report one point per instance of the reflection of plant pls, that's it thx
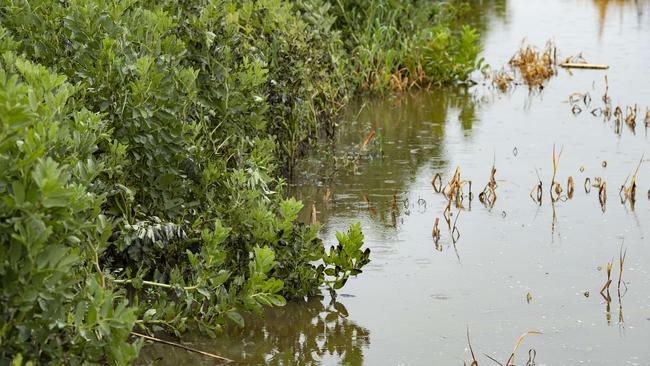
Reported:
(300, 333)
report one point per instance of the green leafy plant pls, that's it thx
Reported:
(144, 147)
(347, 258)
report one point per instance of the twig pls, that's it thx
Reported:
(156, 284)
(211, 355)
(572, 65)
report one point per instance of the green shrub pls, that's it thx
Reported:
(402, 44)
(54, 306)
(143, 149)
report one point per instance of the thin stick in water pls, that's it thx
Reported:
(211, 355)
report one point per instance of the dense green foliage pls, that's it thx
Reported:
(401, 44)
(142, 145)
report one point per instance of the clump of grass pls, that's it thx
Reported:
(535, 65)
(502, 79)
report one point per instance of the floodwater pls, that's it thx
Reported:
(517, 266)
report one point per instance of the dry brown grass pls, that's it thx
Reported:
(503, 79)
(629, 192)
(534, 65)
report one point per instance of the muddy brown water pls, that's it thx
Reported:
(414, 302)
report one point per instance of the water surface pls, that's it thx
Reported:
(415, 300)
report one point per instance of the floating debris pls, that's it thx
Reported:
(572, 65)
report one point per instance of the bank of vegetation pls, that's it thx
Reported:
(144, 147)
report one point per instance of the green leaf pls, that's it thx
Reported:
(277, 300)
(235, 317)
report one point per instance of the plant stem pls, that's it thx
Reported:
(212, 355)
(157, 284)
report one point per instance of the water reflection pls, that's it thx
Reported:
(603, 6)
(410, 131)
(301, 333)
(484, 11)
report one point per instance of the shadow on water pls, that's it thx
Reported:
(301, 333)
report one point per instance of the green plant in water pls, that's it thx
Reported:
(346, 259)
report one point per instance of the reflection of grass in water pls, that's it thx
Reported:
(301, 333)
(603, 6)
(410, 131)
